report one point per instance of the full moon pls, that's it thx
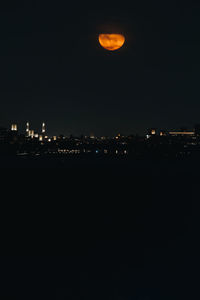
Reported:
(111, 41)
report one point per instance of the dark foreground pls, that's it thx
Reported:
(100, 229)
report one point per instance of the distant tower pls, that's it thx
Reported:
(43, 128)
(153, 131)
(27, 129)
(14, 127)
(31, 133)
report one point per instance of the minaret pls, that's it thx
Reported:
(27, 129)
(43, 129)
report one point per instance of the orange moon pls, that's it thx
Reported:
(111, 41)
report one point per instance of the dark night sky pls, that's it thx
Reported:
(53, 69)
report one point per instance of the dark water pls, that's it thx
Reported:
(115, 229)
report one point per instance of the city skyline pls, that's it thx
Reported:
(155, 144)
(41, 128)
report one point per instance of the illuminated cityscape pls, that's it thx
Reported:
(155, 143)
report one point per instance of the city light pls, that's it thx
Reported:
(163, 142)
(14, 127)
(182, 132)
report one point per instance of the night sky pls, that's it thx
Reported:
(53, 69)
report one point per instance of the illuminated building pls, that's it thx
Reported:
(163, 133)
(31, 133)
(54, 138)
(43, 128)
(27, 129)
(182, 133)
(151, 132)
(14, 127)
(40, 138)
